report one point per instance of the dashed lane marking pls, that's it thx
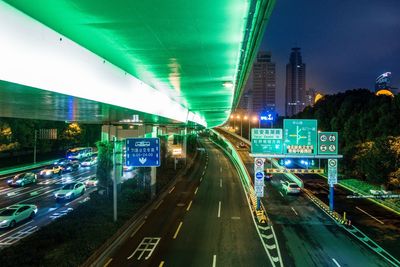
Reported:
(219, 209)
(108, 262)
(214, 261)
(190, 204)
(195, 192)
(337, 264)
(172, 189)
(295, 212)
(177, 230)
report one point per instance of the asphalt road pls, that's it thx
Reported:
(380, 224)
(203, 221)
(42, 195)
(306, 235)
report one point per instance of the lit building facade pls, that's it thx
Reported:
(295, 83)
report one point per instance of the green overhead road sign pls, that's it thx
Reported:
(266, 141)
(300, 137)
(328, 143)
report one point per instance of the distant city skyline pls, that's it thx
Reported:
(346, 44)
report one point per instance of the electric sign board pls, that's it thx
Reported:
(143, 152)
(266, 141)
(300, 137)
(328, 143)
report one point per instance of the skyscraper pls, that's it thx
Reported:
(295, 83)
(263, 83)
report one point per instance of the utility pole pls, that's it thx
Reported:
(34, 147)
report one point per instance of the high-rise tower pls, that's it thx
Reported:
(263, 83)
(295, 83)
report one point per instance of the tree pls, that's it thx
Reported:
(104, 163)
(379, 161)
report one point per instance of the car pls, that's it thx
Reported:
(242, 145)
(12, 215)
(267, 176)
(70, 191)
(89, 162)
(23, 179)
(71, 166)
(61, 162)
(290, 187)
(91, 182)
(127, 168)
(51, 171)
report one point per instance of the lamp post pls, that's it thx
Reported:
(255, 119)
(246, 118)
(241, 128)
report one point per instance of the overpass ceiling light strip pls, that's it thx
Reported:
(36, 56)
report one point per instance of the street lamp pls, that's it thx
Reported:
(246, 118)
(241, 126)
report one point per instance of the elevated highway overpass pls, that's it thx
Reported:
(170, 62)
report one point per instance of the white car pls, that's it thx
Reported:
(89, 162)
(290, 187)
(91, 182)
(70, 191)
(12, 215)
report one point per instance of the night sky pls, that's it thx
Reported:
(345, 44)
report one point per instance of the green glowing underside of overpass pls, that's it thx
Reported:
(187, 49)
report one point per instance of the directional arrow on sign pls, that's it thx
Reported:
(142, 160)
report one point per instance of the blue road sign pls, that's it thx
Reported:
(143, 152)
(259, 175)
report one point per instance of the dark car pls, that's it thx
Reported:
(267, 176)
(61, 162)
(72, 166)
(23, 179)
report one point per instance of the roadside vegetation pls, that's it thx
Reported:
(369, 134)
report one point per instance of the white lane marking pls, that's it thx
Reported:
(159, 203)
(148, 244)
(294, 211)
(220, 169)
(220, 182)
(177, 230)
(108, 262)
(281, 193)
(214, 261)
(172, 189)
(195, 192)
(190, 204)
(15, 229)
(370, 215)
(219, 209)
(137, 229)
(337, 264)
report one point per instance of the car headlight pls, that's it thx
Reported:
(9, 181)
(56, 194)
(48, 172)
(18, 181)
(4, 221)
(68, 194)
